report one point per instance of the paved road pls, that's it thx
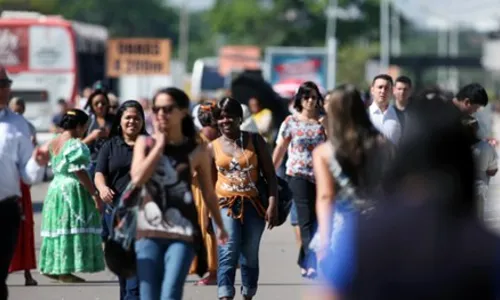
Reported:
(279, 274)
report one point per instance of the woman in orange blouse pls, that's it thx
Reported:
(208, 133)
(244, 213)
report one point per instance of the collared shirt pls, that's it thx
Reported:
(114, 162)
(386, 122)
(16, 151)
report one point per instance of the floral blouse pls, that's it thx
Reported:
(304, 137)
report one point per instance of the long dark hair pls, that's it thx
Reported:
(95, 93)
(182, 101)
(116, 128)
(359, 146)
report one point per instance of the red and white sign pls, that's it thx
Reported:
(298, 68)
(14, 48)
(288, 88)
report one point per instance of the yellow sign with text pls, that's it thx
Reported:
(138, 56)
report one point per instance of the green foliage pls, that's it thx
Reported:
(351, 60)
(264, 23)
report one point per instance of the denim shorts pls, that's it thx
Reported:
(294, 219)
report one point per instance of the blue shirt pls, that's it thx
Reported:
(16, 151)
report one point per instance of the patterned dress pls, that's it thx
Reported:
(71, 225)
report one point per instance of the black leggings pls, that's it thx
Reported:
(304, 195)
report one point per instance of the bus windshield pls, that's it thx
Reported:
(211, 80)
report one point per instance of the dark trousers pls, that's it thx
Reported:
(304, 196)
(10, 220)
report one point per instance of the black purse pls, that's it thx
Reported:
(119, 250)
(284, 200)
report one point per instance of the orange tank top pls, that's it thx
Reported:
(237, 177)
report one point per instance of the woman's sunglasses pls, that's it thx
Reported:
(167, 109)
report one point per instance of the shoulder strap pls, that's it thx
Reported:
(255, 142)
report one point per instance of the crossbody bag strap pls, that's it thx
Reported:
(255, 143)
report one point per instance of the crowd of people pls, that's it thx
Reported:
(387, 197)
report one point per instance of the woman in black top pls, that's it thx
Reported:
(113, 171)
(168, 233)
(101, 121)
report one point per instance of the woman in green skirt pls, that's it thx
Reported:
(71, 222)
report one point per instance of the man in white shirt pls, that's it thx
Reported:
(17, 160)
(383, 115)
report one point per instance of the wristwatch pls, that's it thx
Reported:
(96, 193)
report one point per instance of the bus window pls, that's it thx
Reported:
(211, 80)
(30, 96)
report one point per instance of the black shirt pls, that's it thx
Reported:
(401, 116)
(96, 145)
(114, 162)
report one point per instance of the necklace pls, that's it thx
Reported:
(235, 141)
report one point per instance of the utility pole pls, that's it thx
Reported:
(184, 34)
(385, 42)
(331, 43)
(395, 32)
(453, 52)
(442, 52)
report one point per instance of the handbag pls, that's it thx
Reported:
(119, 251)
(284, 200)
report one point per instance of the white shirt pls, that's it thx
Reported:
(16, 151)
(485, 158)
(386, 122)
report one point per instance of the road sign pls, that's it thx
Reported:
(238, 58)
(138, 56)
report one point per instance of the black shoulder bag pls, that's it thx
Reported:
(284, 200)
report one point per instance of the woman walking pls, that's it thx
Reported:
(240, 157)
(300, 134)
(168, 233)
(113, 172)
(71, 222)
(101, 121)
(208, 133)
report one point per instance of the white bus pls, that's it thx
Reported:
(49, 58)
(205, 78)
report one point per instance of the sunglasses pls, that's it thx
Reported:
(5, 83)
(167, 109)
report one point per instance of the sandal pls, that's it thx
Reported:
(303, 272)
(30, 282)
(207, 281)
(311, 274)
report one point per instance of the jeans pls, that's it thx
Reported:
(243, 248)
(10, 220)
(294, 218)
(129, 288)
(162, 267)
(304, 197)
